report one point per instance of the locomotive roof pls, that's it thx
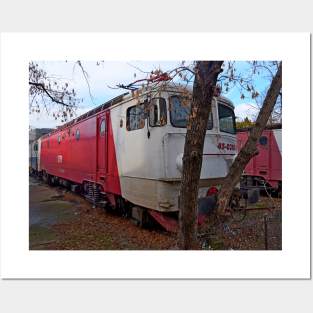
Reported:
(91, 112)
(125, 97)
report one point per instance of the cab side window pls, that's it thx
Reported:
(135, 117)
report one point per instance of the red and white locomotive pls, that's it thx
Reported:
(131, 157)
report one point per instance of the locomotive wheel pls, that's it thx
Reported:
(123, 208)
(46, 178)
(53, 180)
(50, 180)
(140, 216)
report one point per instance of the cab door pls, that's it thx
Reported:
(102, 147)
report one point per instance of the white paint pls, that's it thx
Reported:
(278, 136)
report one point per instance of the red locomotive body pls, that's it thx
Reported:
(266, 166)
(83, 152)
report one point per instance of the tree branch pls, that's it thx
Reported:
(43, 88)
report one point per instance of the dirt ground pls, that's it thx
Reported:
(62, 220)
(260, 229)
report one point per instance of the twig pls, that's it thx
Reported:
(137, 68)
(86, 78)
(43, 88)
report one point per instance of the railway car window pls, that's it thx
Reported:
(227, 119)
(263, 141)
(180, 111)
(102, 127)
(157, 112)
(135, 117)
(77, 134)
(36, 147)
(59, 139)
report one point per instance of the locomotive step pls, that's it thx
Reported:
(102, 203)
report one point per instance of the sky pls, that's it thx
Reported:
(111, 73)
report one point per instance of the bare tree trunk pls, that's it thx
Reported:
(203, 90)
(249, 149)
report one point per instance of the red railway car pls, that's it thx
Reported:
(264, 169)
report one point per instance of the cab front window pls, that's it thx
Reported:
(180, 110)
(227, 119)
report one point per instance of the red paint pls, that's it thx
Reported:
(212, 190)
(169, 223)
(226, 146)
(91, 157)
(268, 163)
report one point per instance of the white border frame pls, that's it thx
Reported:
(18, 262)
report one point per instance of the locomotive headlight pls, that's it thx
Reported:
(179, 162)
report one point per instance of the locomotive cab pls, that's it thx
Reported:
(152, 147)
